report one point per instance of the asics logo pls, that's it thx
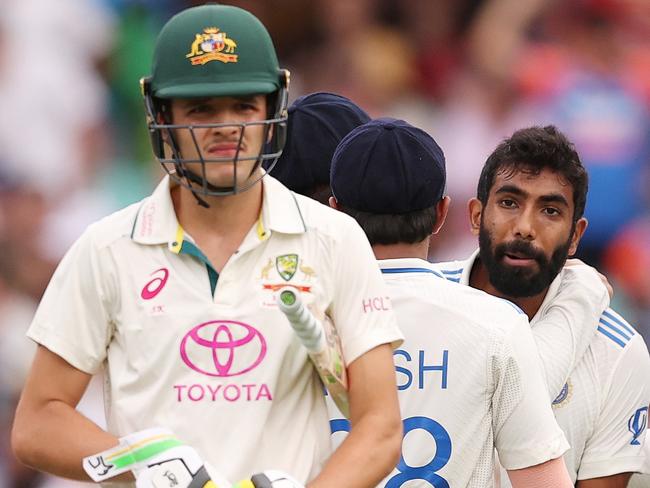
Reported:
(153, 286)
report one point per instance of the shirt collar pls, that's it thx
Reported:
(552, 292)
(468, 264)
(280, 209)
(407, 265)
(156, 221)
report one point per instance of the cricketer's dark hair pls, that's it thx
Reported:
(531, 150)
(321, 192)
(408, 228)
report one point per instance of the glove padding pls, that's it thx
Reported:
(157, 460)
(271, 478)
(180, 467)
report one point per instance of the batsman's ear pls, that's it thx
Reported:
(475, 209)
(333, 203)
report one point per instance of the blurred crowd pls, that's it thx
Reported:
(73, 144)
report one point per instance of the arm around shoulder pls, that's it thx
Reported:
(49, 434)
(567, 326)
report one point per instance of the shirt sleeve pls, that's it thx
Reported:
(567, 326)
(72, 319)
(617, 444)
(361, 307)
(526, 432)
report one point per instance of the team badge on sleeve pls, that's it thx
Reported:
(565, 395)
(637, 424)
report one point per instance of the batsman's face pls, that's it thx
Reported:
(230, 144)
(526, 230)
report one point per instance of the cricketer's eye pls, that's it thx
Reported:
(507, 203)
(247, 106)
(551, 211)
(199, 109)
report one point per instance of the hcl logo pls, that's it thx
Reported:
(637, 424)
(223, 348)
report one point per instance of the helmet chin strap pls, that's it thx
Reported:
(192, 177)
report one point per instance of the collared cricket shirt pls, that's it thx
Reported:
(603, 405)
(206, 354)
(469, 380)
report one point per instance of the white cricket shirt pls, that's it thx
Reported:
(469, 380)
(210, 356)
(603, 405)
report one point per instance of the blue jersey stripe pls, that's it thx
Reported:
(454, 271)
(612, 337)
(619, 320)
(613, 328)
(455, 280)
(410, 270)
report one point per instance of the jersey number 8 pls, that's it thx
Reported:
(406, 472)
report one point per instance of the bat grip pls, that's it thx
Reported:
(305, 325)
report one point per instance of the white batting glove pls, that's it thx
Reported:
(157, 459)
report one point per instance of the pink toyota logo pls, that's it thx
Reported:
(223, 348)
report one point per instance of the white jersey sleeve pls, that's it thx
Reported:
(617, 444)
(520, 396)
(361, 307)
(567, 325)
(73, 317)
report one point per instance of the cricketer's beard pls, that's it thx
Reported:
(520, 282)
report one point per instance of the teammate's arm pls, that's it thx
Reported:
(551, 473)
(372, 448)
(615, 481)
(565, 329)
(48, 433)
(527, 436)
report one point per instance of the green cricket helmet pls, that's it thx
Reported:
(212, 51)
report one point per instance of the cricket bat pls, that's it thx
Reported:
(322, 343)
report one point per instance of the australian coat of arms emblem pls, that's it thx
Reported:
(212, 45)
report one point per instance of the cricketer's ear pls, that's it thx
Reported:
(333, 203)
(475, 209)
(580, 228)
(442, 209)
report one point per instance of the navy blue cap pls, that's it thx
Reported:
(387, 166)
(317, 123)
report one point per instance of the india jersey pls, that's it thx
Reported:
(469, 380)
(603, 405)
(206, 354)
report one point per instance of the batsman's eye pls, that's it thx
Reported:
(199, 109)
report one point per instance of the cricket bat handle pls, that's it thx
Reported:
(323, 347)
(305, 325)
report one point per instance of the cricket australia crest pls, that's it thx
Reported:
(276, 272)
(286, 266)
(212, 45)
